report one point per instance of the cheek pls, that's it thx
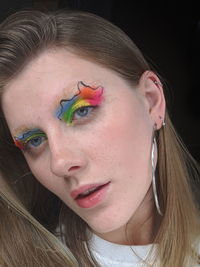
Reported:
(41, 171)
(123, 143)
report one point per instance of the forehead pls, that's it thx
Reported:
(46, 79)
(55, 70)
(47, 75)
(50, 71)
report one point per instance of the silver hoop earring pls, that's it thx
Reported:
(154, 177)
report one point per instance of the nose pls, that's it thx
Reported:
(66, 160)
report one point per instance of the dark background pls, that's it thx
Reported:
(168, 33)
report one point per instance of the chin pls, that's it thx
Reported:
(110, 219)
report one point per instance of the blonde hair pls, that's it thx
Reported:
(25, 35)
(24, 241)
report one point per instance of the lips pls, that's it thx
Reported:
(90, 195)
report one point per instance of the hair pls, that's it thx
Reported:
(30, 212)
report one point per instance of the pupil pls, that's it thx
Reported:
(36, 141)
(82, 111)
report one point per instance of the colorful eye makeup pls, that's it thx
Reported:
(79, 106)
(87, 96)
(34, 137)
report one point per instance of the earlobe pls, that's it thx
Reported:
(152, 91)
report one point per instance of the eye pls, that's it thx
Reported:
(82, 112)
(35, 141)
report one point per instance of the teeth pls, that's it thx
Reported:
(87, 192)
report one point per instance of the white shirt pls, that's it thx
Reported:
(109, 254)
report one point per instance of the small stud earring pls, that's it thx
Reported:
(158, 83)
(163, 121)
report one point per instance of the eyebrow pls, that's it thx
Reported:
(21, 132)
(27, 134)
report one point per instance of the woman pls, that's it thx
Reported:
(88, 119)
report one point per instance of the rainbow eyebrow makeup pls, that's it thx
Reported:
(22, 139)
(86, 96)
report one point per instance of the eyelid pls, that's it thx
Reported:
(22, 139)
(35, 150)
(68, 116)
(84, 119)
(88, 95)
(33, 136)
(81, 107)
(80, 104)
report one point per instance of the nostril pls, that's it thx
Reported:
(73, 168)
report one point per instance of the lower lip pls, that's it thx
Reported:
(94, 198)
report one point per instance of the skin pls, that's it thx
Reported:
(112, 144)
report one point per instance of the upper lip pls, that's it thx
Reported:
(75, 193)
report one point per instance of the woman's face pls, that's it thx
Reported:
(86, 135)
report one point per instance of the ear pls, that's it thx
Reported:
(152, 91)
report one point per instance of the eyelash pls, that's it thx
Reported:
(27, 146)
(42, 138)
(90, 111)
